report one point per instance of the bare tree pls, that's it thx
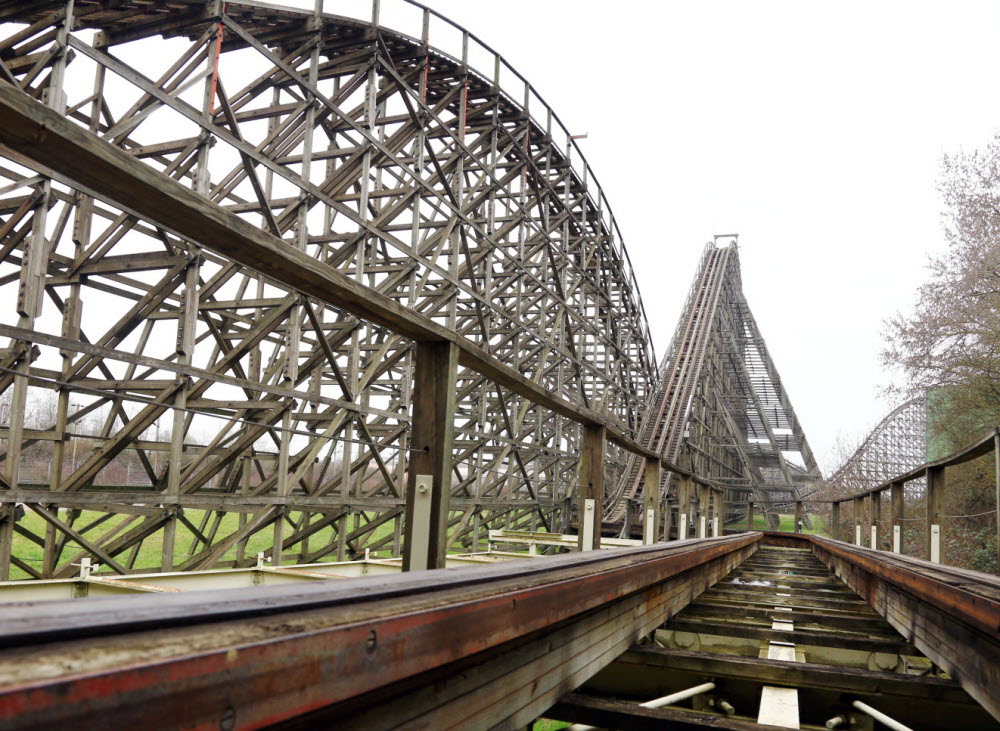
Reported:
(950, 345)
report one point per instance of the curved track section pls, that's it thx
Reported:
(897, 445)
(393, 146)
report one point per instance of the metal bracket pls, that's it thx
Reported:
(421, 532)
(587, 523)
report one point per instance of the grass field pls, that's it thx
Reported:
(152, 547)
(787, 523)
(544, 724)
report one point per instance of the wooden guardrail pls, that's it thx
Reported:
(951, 615)
(936, 487)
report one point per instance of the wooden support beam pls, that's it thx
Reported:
(802, 675)
(591, 490)
(7, 522)
(717, 509)
(651, 502)
(935, 509)
(996, 462)
(684, 486)
(898, 511)
(798, 516)
(856, 517)
(94, 549)
(835, 521)
(875, 510)
(603, 713)
(704, 493)
(845, 641)
(428, 487)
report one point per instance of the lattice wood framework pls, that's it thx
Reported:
(179, 380)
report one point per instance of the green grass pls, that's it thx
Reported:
(151, 550)
(787, 523)
(544, 724)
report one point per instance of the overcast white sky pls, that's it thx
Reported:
(813, 129)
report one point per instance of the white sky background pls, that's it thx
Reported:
(814, 130)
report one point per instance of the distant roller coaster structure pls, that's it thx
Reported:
(721, 406)
(895, 446)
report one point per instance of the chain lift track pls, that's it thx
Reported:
(720, 405)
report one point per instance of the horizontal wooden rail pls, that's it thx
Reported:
(479, 646)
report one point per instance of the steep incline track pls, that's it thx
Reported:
(666, 420)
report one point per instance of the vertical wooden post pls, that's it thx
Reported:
(342, 537)
(187, 323)
(8, 516)
(591, 480)
(683, 507)
(428, 485)
(716, 512)
(996, 456)
(835, 521)
(896, 506)
(935, 506)
(626, 504)
(651, 501)
(750, 515)
(667, 519)
(798, 516)
(856, 505)
(704, 491)
(876, 513)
